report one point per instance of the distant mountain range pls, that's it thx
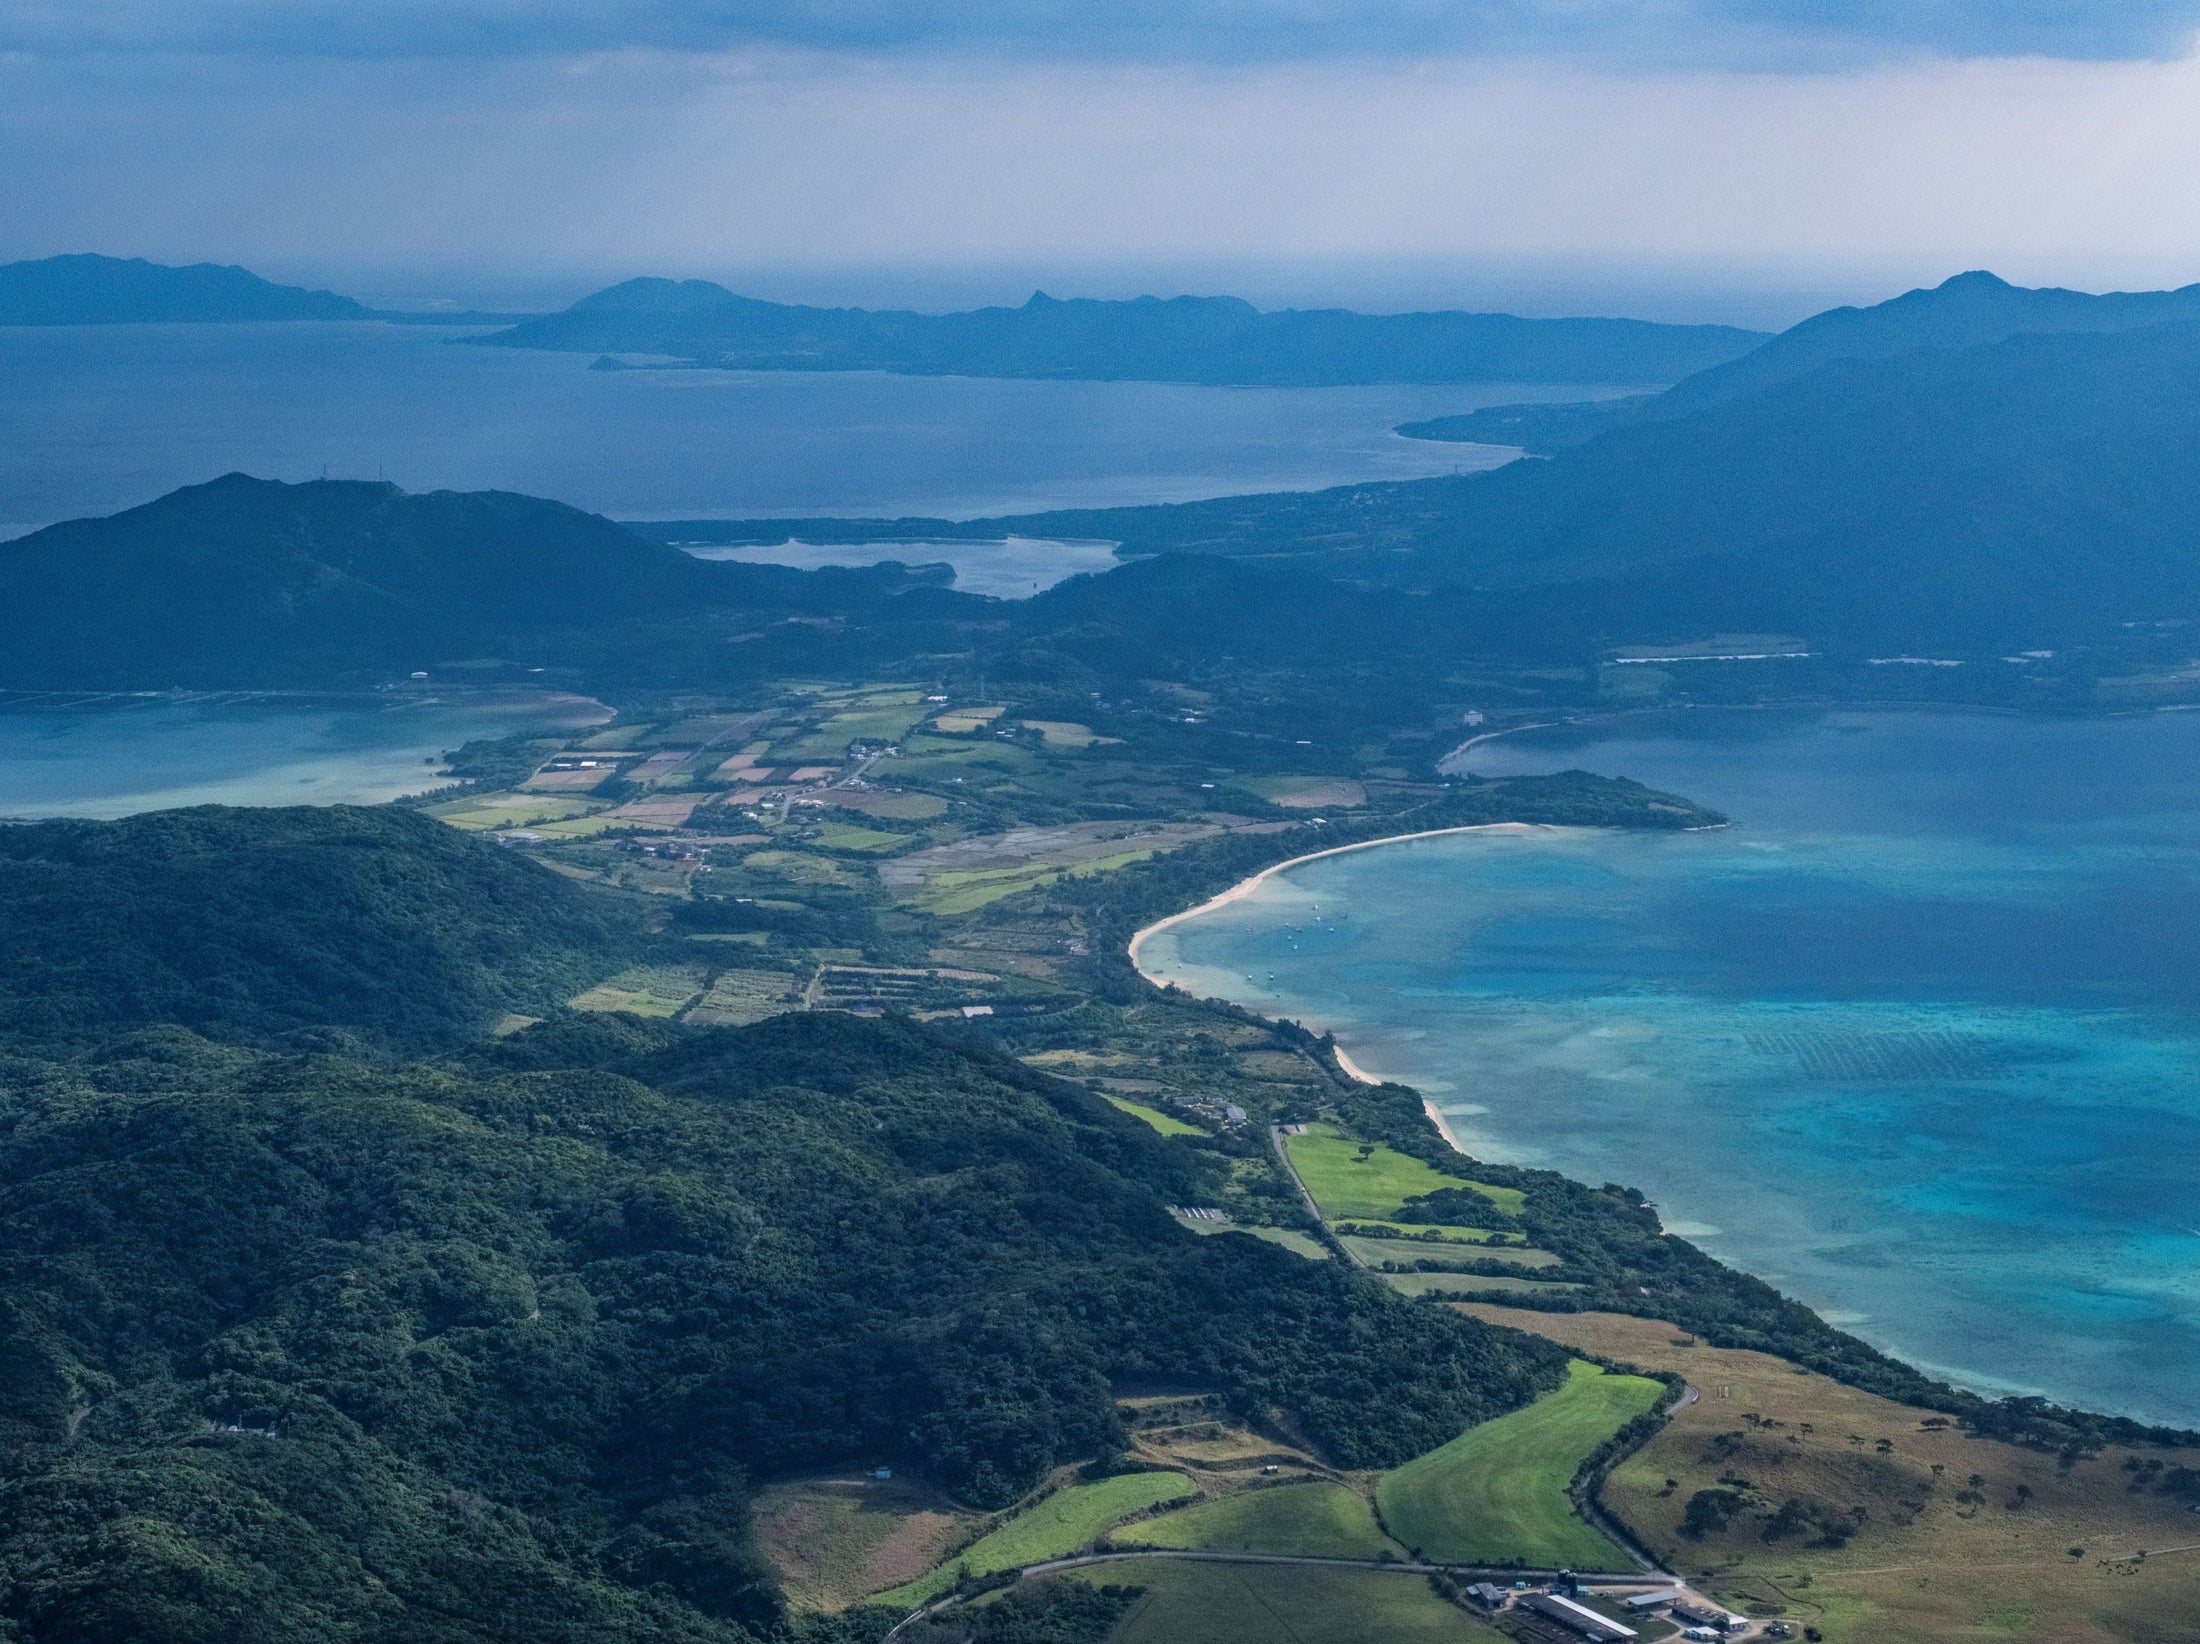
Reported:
(1220, 340)
(1925, 489)
(94, 290)
(1967, 311)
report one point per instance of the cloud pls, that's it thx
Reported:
(2079, 173)
(1721, 32)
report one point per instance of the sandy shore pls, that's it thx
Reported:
(1245, 887)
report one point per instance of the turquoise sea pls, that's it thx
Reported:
(1916, 1039)
(115, 755)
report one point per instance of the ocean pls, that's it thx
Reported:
(99, 418)
(102, 418)
(1916, 1039)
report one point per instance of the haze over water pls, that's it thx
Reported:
(1918, 1039)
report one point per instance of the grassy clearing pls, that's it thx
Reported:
(1053, 1528)
(1062, 733)
(1321, 1519)
(1302, 1244)
(1444, 1233)
(1377, 1251)
(1283, 1604)
(1498, 1491)
(1349, 1187)
(1923, 1565)
(646, 990)
(835, 1541)
(966, 890)
(1161, 1121)
(842, 836)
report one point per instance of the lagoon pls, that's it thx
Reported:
(1916, 1039)
(109, 755)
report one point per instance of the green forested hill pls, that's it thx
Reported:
(255, 926)
(307, 1348)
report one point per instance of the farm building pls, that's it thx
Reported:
(1487, 1594)
(1703, 1615)
(1577, 1619)
(1650, 1601)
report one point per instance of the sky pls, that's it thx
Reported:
(1740, 159)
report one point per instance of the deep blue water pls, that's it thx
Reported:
(1917, 1039)
(98, 418)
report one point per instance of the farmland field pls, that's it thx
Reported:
(1321, 1519)
(646, 990)
(1407, 1251)
(1498, 1491)
(1350, 1188)
(1283, 1604)
(1421, 1230)
(1162, 1122)
(1053, 1528)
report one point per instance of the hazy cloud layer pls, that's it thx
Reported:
(1729, 32)
(2081, 173)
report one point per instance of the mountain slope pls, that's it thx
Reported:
(308, 1348)
(260, 926)
(86, 289)
(245, 581)
(1180, 339)
(1966, 311)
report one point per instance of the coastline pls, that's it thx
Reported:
(1245, 887)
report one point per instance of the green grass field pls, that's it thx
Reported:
(1053, 1528)
(646, 990)
(1448, 1234)
(1407, 1251)
(1350, 1188)
(1161, 1121)
(842, 836)
(1498, 1491)
(1319, 1520)
(1188, 1603)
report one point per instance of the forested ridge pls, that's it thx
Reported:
(497, 1345)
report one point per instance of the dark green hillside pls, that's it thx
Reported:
(1178, 339)
(1968, 311)
(250, 580)
(251, 925)
(86, 289)
(307, 1348)
(2030, 492)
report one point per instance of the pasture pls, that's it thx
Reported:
(1319, 1519)
(1498, 1491)
(1350, 1187)
(1929, 1557)
(1283, 1604)
(1053, 1527)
